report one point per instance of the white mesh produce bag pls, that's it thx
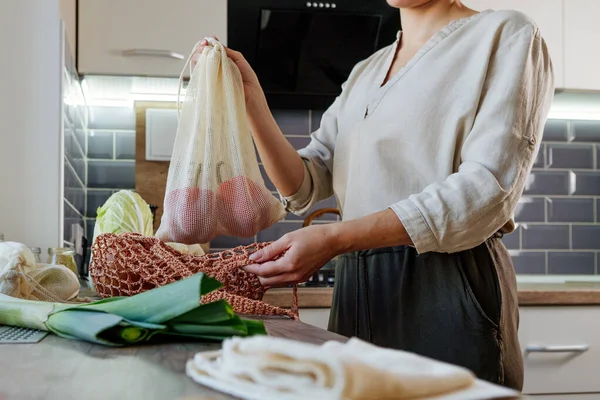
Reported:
(214, 185)
(22, 277)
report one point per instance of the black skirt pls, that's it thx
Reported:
(460, 308)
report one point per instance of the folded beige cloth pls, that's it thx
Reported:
(265, 367)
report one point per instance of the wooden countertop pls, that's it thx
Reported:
(530, 294)
(57, 368)
(559, 294)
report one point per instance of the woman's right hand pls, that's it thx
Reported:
(252, 89)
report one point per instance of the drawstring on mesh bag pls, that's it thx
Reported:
(214, 185)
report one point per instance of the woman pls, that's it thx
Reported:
(427, 150)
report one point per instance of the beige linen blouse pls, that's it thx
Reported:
(447, 143)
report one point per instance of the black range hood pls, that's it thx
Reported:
(303, 51)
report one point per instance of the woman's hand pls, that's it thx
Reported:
(252, 90)
(307, 250)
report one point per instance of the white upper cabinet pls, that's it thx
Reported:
(144, 37)
(582, 49)
(548, 15)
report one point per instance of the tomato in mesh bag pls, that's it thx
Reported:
(227, 196)
(194, 219)
(244, 207)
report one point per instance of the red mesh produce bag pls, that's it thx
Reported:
(129, 263)
(214, 184)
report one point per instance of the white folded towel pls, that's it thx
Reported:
(265, 367)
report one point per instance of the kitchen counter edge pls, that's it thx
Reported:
(529, 294)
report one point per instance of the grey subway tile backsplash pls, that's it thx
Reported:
(585, 131)
(74, 191)
(125, 145)
(74, 161)
(117, 118)
(512, 240)
(78, 121)
(587, 183)
(277, 231)
(79, 167)
(576, 263)
(69, 222)
(548, 182)
(101, 144)
(90, 223)
(111, 174)
(95, 199)
(228, 242)
(529, 262)
(530, 209)
(299, 142)
(80, 136)
(570, 156)
(72, 148)
(570, 210)
(540, 159)
(268, 182)
(558, 223)
(76, 196)
(315, 120)
(555, 130)
(543, 237)
(71, 217)
(586, 237)
(71, 180)
(292, 122)
(327, 203)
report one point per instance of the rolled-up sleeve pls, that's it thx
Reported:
(497, 155)
(318, 164)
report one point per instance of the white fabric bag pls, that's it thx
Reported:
(22, 277)
(270, 368)
(214, 185)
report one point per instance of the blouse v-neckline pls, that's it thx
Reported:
(438, 37)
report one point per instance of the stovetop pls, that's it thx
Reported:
(325, 277)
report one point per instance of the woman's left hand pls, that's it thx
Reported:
(307, 250)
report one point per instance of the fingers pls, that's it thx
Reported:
(234, 55)
(271, 251)
(281, 280)
(268, 269)
(203, 43)
(276, 273)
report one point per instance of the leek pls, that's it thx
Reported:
(160, 314)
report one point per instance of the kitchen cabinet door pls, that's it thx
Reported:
(548, 15)
(318, 317)
(144, 37)
(561, 349)
(582, 37)
(161, 129)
